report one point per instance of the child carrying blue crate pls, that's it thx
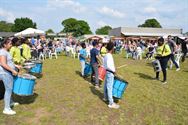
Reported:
(109, 80)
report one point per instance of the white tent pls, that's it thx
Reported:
(30, 32)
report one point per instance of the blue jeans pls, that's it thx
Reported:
(8, 83)
(82, 62)
(173, 60)
(108, 87)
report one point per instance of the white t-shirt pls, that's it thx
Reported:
(9, 60)
(109, 62)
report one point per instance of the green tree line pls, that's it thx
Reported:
(70, 25)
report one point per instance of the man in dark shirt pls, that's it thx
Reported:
(184, 48)
(172, 46)
(94, 54)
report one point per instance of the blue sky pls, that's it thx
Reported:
(129, 13)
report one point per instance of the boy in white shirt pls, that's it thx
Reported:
(109, 80)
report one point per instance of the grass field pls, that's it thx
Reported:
(62, 97)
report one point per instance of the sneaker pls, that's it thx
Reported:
(164, 82)
(104, 99)
(177, 69)
(14, 104)
(92, 81)
(84, 77)
(114, 105)
(97, 87)
(9, 112)
(155, 78)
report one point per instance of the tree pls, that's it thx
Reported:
(21, 24)
(151, 23)
(5, 27)
(82, 28)
(49, 31)
(103, 30)
(76, 27)
(61, 31)
(69, 25)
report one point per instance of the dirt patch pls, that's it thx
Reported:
(39, 113)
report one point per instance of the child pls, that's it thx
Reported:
(82, 58)
(15, 51)
(109, 81)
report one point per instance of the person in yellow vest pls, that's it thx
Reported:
(15, 51)
(26, 50)
(103, 50)
(163, 54)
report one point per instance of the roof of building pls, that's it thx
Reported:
(6, 34)
(142, 31)
(149, 34)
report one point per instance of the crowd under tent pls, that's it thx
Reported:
(89, 38)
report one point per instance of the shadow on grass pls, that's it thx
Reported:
(25, 99)
(2, 89)
(101, 95)
(144, 76)
(97, 93)
(60, 54)
(78, 73)
(149, 64)
(38, 75)
(87, 78)
(185, 71)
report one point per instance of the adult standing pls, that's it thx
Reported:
(172, 46)
(184, 48)
(7, 71)
(109, 80)
(163, 54)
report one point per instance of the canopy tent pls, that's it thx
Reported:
(90, 37)
(30, 32)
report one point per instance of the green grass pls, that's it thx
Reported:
(63, 97)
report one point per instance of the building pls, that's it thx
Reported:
(6, 34)
(145, 33)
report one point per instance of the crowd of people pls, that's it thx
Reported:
(15, 51)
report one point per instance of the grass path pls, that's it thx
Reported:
(63, 97)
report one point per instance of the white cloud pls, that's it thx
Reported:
(8, 16)
(150, 10)
(70, 4)
(101, 23)
(111, 12)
